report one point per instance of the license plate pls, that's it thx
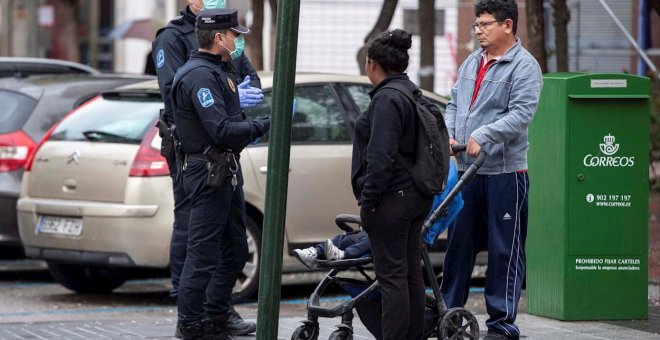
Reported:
(69, 226)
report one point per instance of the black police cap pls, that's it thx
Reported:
(220, 19)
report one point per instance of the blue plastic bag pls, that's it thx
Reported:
(442, 223)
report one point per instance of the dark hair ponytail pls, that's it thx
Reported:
(390, 50)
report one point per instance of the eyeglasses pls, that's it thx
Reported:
(483, 25)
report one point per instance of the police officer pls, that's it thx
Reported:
(213, 131)
(171, 50)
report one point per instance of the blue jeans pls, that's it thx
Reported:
(354, 245)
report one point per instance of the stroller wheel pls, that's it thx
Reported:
(458, 323)
(342, 333)
(308, 331)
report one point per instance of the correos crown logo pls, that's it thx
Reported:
(608, 148)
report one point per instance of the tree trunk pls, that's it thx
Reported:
(64, 36)
(561, 17)
(383, 22)
(536, 32)
(427, 43)
(256, 38)
(273, 31)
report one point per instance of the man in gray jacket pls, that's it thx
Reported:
(492, 104)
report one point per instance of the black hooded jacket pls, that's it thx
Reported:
(386, 129)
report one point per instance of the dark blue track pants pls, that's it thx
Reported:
(494, 217)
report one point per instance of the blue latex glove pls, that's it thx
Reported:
(248, 95)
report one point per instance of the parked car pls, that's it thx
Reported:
(30, 107)
(97, 198)
(19, 67)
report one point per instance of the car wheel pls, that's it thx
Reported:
(248, 282)
(86, 279)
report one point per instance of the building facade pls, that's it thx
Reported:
(115, 35)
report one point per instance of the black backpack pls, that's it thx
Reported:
(431, 166)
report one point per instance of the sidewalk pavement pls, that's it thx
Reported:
(156, 327)
(532, 327)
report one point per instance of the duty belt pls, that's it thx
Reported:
(197, 156)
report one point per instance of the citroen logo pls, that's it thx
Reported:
(74, 157)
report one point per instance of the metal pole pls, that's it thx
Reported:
(643, 34)
(270, 277)
(641, 52)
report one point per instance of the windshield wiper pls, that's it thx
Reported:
(95, 135)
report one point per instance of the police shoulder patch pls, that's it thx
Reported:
(160, 58)
(205, 97)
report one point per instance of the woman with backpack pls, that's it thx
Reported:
(392, 209)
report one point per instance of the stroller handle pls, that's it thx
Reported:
(465, 179)
(343, 220)
(481, 157)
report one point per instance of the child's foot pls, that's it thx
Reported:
(306, 256)
(332, 252)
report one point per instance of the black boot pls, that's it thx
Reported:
(189, 332)
(237, 326)
(216, 328)
(177, 331)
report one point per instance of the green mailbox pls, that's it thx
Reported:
(588, 203)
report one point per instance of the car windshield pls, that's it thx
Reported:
(16, 109)
(114, 120)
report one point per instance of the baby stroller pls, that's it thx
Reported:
(440, 322)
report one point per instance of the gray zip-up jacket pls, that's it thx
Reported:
(502, 111)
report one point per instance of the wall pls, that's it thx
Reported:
(331, 33)
(595, 42)
(131, 53)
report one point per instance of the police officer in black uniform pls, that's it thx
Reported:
(171, 49)
(213, 131)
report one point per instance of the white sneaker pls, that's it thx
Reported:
(306, 256)
(332, 252)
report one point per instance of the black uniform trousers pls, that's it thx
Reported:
(394, 230)
(178, 244)
(217, 246)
